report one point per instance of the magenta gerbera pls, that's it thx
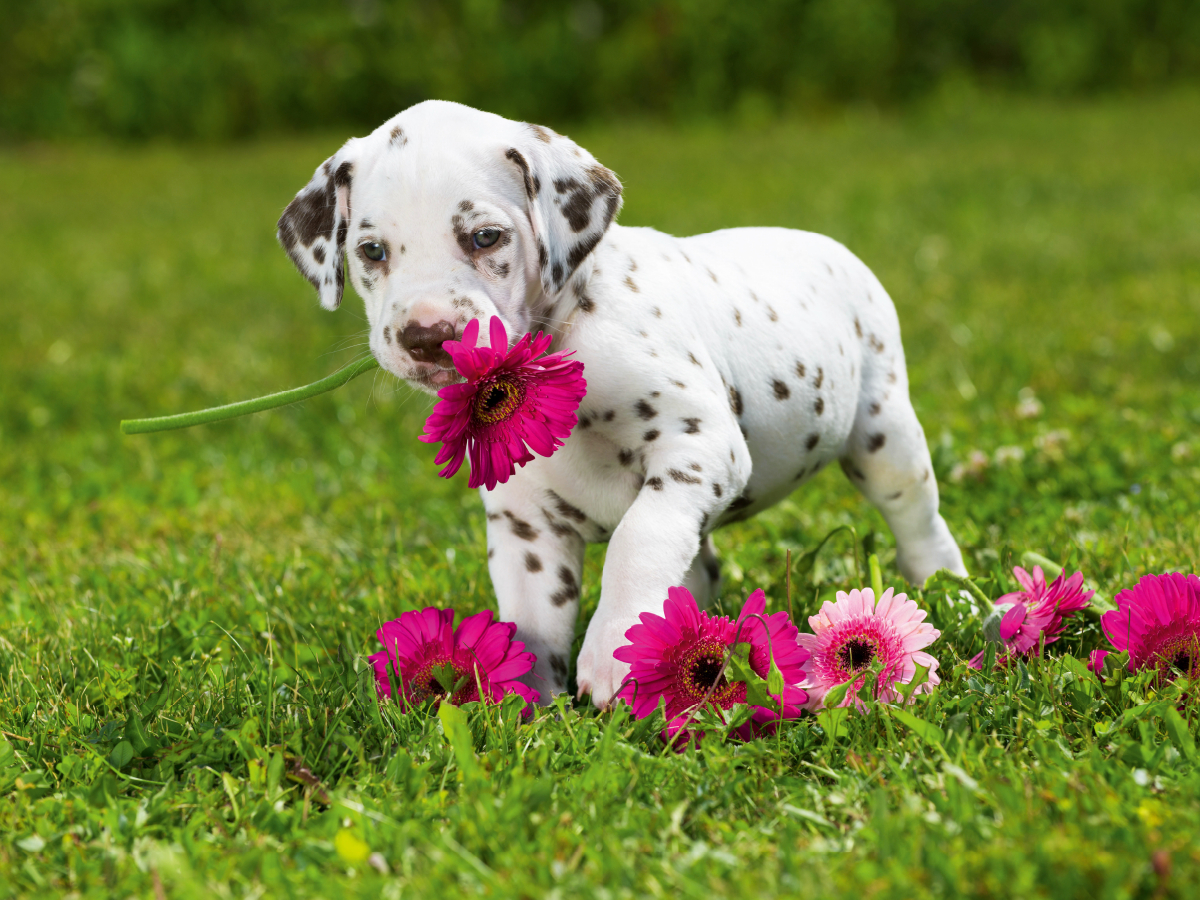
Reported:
(1158, 622)
(852, 633)
(512, 402)
(1036, 612)
(434, 659)
(679, 656)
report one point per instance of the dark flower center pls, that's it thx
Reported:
(497, 401)
(700, 676)
(1181, 654)
(855, 655)
(705, 671)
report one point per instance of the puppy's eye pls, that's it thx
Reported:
(485, 237)
(373, 251)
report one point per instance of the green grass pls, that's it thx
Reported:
(210, 595)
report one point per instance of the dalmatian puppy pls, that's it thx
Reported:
(723, 370)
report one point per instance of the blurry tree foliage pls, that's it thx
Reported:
(228, 68)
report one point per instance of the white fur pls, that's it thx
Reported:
(675, 334)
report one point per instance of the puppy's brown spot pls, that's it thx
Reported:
(875, 408)
(693, 425)
(811, 441)
(875, 442)
(819, 406)
(569, 590)
(558, 665)
(782, 392)
(533, 562)
(625, 457)
(735, 401)
(521, 528)
(651, 435)
(654, 483)
(562, 529)
(629, 283)
(530, 187)
(683, 477)
(717, 490)
(645, 410)
(820, 379)
(566, 509)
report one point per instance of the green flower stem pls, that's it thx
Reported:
(876, 576)
(963, 582)
(246, 407)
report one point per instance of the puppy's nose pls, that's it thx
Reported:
(424, 344)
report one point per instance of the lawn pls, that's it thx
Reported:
(206, 598)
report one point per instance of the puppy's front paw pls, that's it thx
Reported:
(597, 672)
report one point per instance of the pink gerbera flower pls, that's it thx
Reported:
(679, 655)
(434, 659)
(1036, 612)
(511, 403)
(852, 633)
(1158, 622)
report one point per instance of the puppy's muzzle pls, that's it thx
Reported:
(424, 343)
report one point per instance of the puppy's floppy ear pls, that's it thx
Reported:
(313, 227)
(572, 201)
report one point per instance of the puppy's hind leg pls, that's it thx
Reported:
(888, 459)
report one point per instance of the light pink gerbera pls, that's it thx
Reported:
(434, 659)
(511, 403)
(852, 633)
(1158, 622)
(1036, 612)
(679, 656)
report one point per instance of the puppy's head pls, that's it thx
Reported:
(442, 215)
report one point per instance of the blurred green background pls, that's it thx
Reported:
(226, 68)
